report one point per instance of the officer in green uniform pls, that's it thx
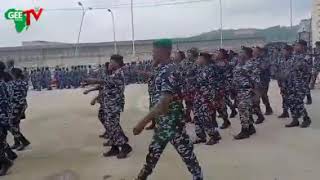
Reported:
(167, 110)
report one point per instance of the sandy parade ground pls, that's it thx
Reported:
(63, 129)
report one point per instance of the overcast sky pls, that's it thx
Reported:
(150, 22)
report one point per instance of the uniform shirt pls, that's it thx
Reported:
(283, 64)
(245, 75)
(299, 68)
(206, 83)
(5, 103)
(167, 80)
(188, 68)
(113, 91)
(316, 63)
(265, 70)
(20, 90)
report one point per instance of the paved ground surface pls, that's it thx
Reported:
(64, 130)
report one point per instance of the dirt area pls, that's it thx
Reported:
(64, 129)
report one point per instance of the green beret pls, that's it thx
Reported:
(163, 43)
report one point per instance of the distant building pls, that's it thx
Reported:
(305, 31)
(315, 21)
(42, 53)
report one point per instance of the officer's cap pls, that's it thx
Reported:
(162, 43)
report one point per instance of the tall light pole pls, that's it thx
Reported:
(114, 32)
(291, 15)
(83, 14)
(132, 28)
(221, 25)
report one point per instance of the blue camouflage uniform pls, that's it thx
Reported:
(206, 86)
(113, 104)
(5, 116)
(19, 105)
(244, 80)
(297, 85)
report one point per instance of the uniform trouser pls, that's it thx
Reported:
(114, 129)
(221, 108)
(284, 95)
(14, 128)
(296, 104)
(4, 146)
(166, 132)
(314, 79)
(307, 86)
(229, 102)
(256, 109)
(189, 107)
(205, 120)
(264, 95)
(245, 99)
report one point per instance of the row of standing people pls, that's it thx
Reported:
(63, 78)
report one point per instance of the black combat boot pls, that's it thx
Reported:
(233, 113)
(142, 175)
(244, 134)
(252, 129)
(294, 123)
(200, 141)
(24, 143)
(6, 164)
(226, 123)
(269, 110)
(10, 154)
(309, 100)
(306, 122)
(214, 139)
(16, 143)
(260, 119)
(125, 150)
(108, 143)
(104, 135)
(285, 114)
(114, 151)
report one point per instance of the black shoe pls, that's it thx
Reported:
(233, 113)
(24, 143)
(114, 151)
(11, 155)
(269, 111)
(306, 122)
(244, 134)
(200, 141)
(285, 114)
(294, 123)
(108, 143)
(142, 176)
(16, 143)
(252, 129)
(103, 135)
(309, 101)
(125, 150)
(212, 141)
(6, 165)
(226, 124)
(260, 120)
